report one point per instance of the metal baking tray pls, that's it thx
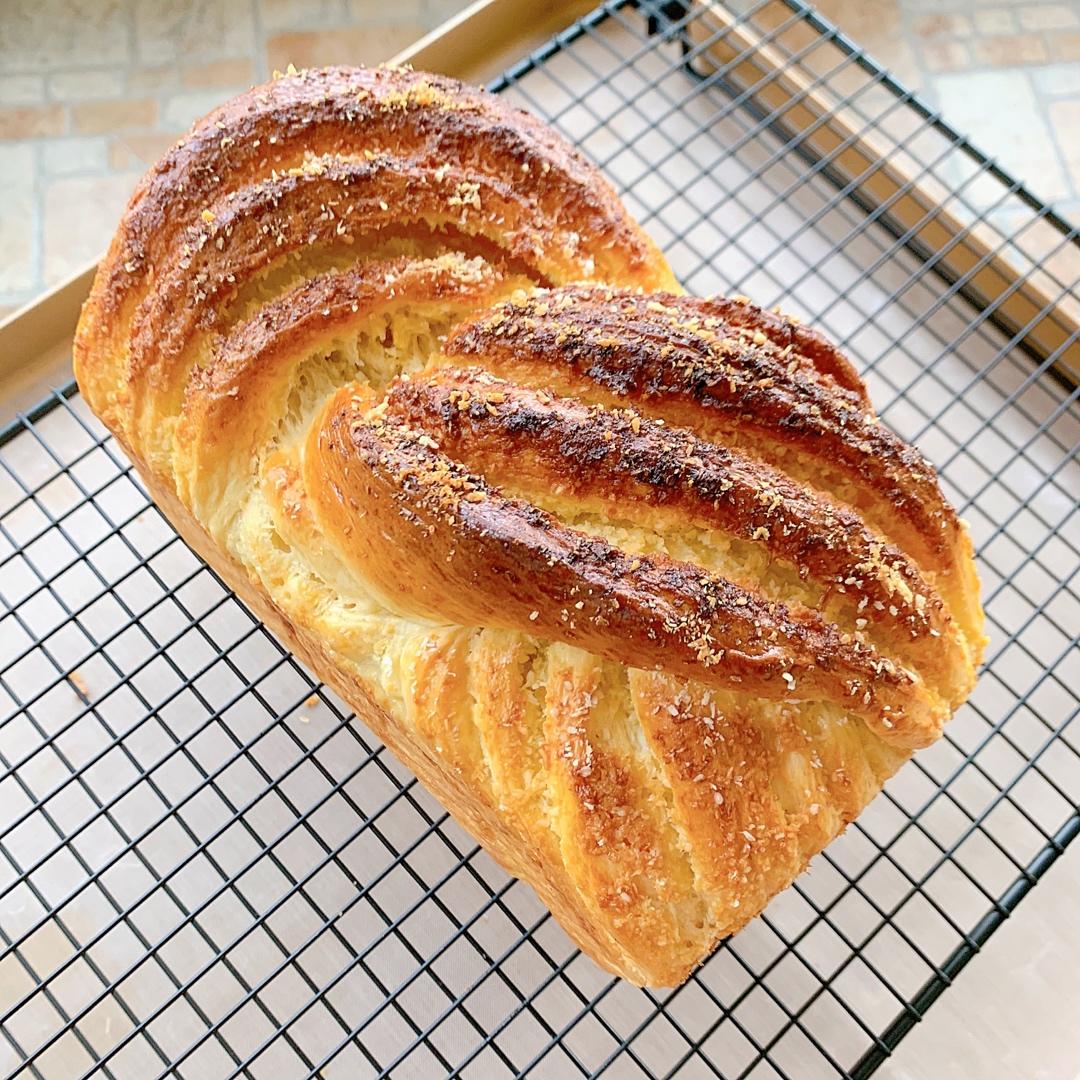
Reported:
(209, 868)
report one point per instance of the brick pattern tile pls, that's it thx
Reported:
(87, 85)
(1048, 17)
(990, 21)
(31, 121)
(353, 45)
(80, 215)
(139, 151)
(168, 31)
(943, 25)
(67, 157)
(92, 93)
(1005, 72)
(18, 268)
(946, 56)
(1011, 50)
(1065, 117)
(235, 71)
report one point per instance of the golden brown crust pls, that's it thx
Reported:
(320, 161)
(440, 541)
(690, 362)
(785, 333)
(336, 202)
(762, 797)
(650, 657)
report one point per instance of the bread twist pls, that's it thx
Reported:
(635, 582)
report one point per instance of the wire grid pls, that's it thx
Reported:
(209, 868)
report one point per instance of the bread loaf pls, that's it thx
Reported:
(635, 582)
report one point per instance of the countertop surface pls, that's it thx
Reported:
(91, 94)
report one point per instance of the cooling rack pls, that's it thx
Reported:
(209, 868)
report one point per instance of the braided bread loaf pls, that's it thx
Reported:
(635, 582)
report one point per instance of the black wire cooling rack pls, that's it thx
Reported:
(208, 868)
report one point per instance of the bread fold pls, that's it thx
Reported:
(636, 583)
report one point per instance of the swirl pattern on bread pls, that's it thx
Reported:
(637, 583)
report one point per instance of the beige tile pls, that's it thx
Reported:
(18, 222)
(373, 12)
(87, 85)
(41, 35)
(1001, 113)
(1066, 45)
(182, 110)
(938, 26)
(235, 72)
(80, 218)
(21, 89)
(1010, 50)
(994, 20)
(66, 157)
(139, 151)
(153, 79)
(17, 270)
(20, 168)
(346, 45)
(946, 56)
(1048, 17)
(31, 121)
(865, 23)
(105, 117)
(192, 30)
(1057, 80)
(1065, 120)
(441, 10)
(297, 14)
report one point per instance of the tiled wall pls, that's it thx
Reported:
(92, 91)
(1006, 73)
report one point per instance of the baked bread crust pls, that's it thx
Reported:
(634, 582)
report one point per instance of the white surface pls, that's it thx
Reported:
(1015, 1011)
